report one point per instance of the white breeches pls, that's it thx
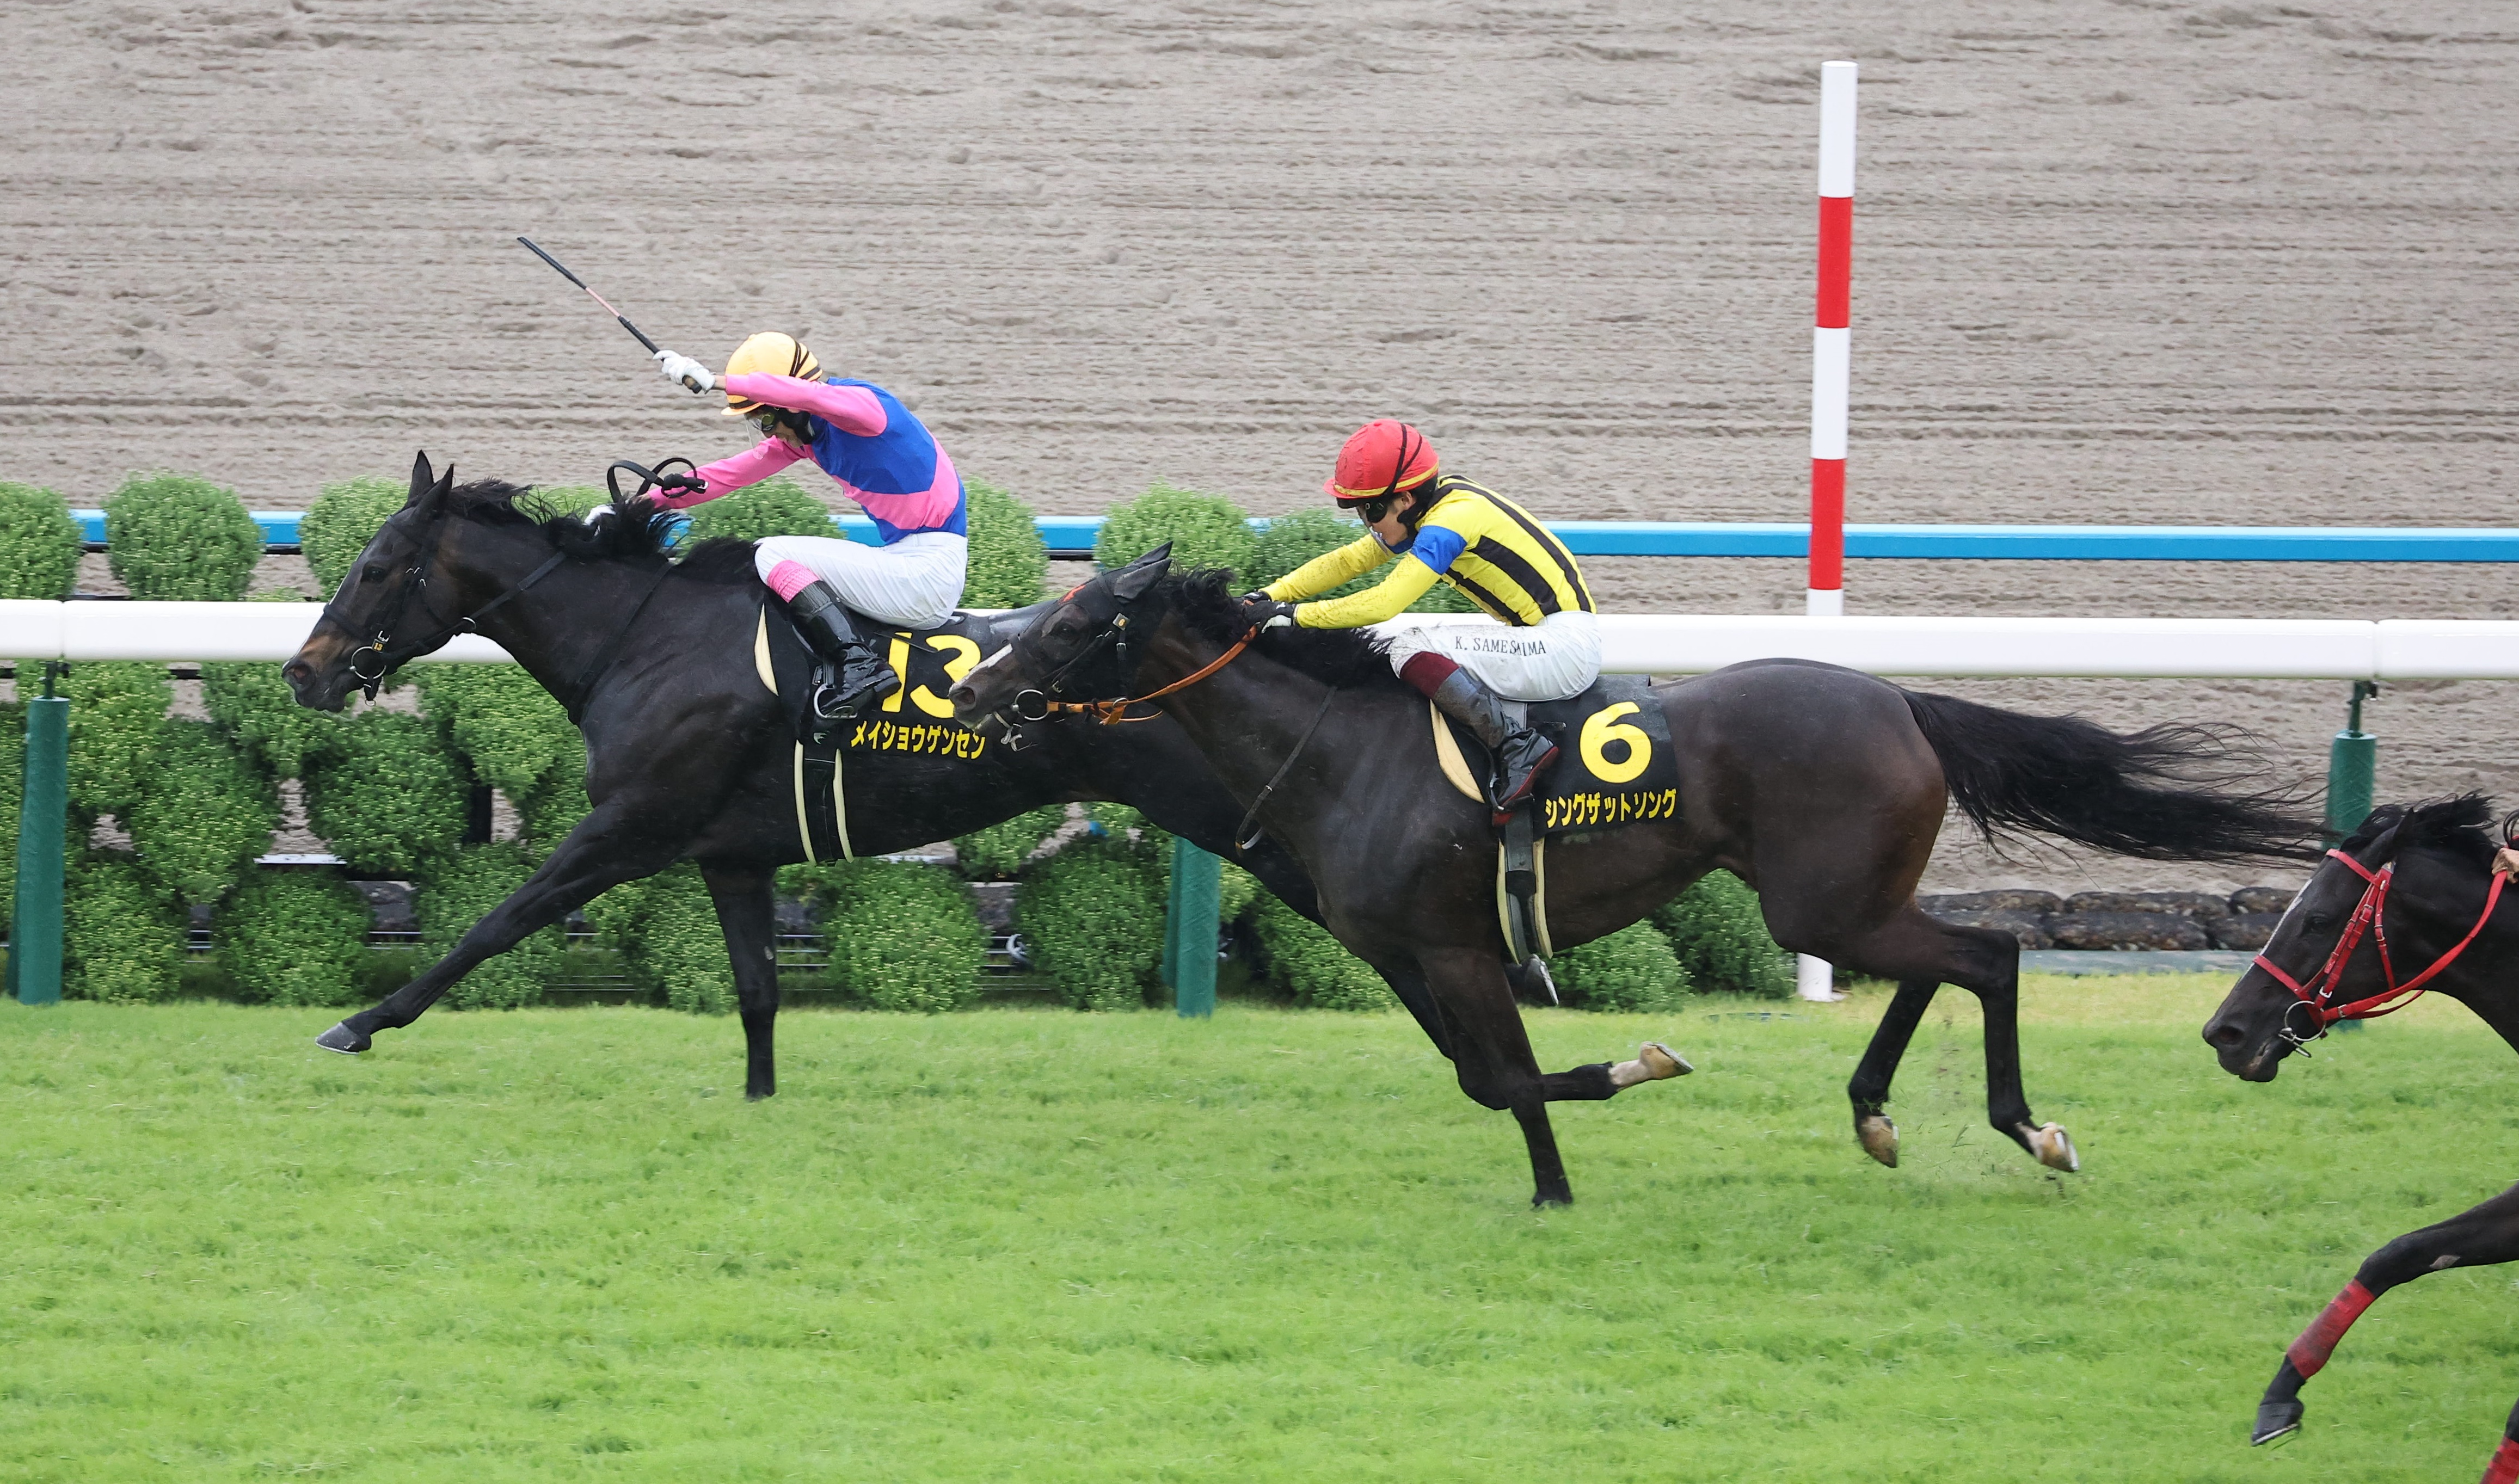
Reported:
(1555, 658)
(916, 582)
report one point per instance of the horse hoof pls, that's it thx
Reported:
(1662, 1061)
(2054, 1148)
(2275, 1421)
(1542, 1200)
(344, 1039)
(1880, 1138)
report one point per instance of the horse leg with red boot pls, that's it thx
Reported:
(748, 914)
(2479, 1238)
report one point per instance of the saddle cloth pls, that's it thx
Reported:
(917, 718)
(1614, 763)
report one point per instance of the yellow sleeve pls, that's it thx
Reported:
(1386, 599)
(1331, 568)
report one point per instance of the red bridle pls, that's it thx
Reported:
(2369, 917)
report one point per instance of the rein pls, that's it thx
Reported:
(2369, 917)
(1114, 712)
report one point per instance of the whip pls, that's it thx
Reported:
(641, 335)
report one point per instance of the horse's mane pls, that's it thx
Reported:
(2460, 825)
(1346, 658)
(635, 529)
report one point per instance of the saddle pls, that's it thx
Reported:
(1615, 766)
(917, 718)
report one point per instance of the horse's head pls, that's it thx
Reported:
(2440, 858)
(380, 617)
(1084, 647)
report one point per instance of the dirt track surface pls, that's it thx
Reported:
(2122, 262)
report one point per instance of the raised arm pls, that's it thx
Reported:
(728, 475)
(850, 409)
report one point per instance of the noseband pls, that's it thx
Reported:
(2369, 916)
(1038, 702)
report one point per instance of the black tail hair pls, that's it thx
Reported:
(2165, 792)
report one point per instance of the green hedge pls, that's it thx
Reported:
(207, 812)
(117, 719)
(39, 544)
(1311, 965)
(342, 520)
(666, 931)
(1205, 531)
(174, 538)
(998, 852)
(391, 798)
(122, 939)
(1093, 914)
(293, 937)
(1632, 969)
(1715, 929)
(902, 935)
(253, 702)
(1009, 562)
(775, 506)
(503, 722)
(459, 891)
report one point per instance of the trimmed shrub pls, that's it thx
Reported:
(503, 721)
(1009, 561)
(1236, 890)
(206, 814)
(252, 700)
(998, 852)
(1631, 969)
(457, 891)
(391, 800)
(122, 939)
(39, 542)
(293, 937)
(666, 931)
(342, 520)
(778, 507)
(1093, 914)
(118, 719)
(551, 810)
(1311, 965)
(1715, 929)
(903, 936)
(174, 538)
(1205, 531)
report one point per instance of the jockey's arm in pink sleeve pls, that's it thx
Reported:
(728, 475)
(850, 409)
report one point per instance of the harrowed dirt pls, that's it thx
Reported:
(1277, 1245)
(2131, 263)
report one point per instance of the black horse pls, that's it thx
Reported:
(690, 756)
(1821, 787)
(2411, 902)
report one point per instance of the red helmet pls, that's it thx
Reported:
(1385, 458)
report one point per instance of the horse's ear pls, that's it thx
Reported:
(422, 479)
(1131, 581)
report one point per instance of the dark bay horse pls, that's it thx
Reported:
(2440, 913)
(1821, 787)
(688, 756)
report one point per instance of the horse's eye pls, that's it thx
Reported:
(372, 572)
(2316, 919)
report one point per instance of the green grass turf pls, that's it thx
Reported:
(1278, 1245)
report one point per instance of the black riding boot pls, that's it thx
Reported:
(859, 678)
(1520, 753)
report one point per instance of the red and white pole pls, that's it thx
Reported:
(1831, 365)
(1831, 340)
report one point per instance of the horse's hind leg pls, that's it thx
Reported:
(1492, 1055)
(748, 914)
(1869, 1090)
(2487, 1235)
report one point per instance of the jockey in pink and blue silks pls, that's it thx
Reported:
(884, 459)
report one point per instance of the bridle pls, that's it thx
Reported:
(372, 662)
(1115, 634)
(2369, 916)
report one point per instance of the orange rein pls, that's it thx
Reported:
(1111, 712)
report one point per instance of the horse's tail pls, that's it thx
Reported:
(2165, 792)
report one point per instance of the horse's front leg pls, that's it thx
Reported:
(597, 854)
(2481, 1236)
(747, 913)
(1492, 1055)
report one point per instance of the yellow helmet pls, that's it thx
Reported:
(775, 354)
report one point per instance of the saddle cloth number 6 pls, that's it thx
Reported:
(1602, 728)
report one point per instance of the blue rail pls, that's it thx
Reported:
(1071, 536)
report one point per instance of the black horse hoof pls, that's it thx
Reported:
(1545, 1199)
(344, 1039)
(2275, 1421)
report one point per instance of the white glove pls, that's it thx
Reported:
(687, 371)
